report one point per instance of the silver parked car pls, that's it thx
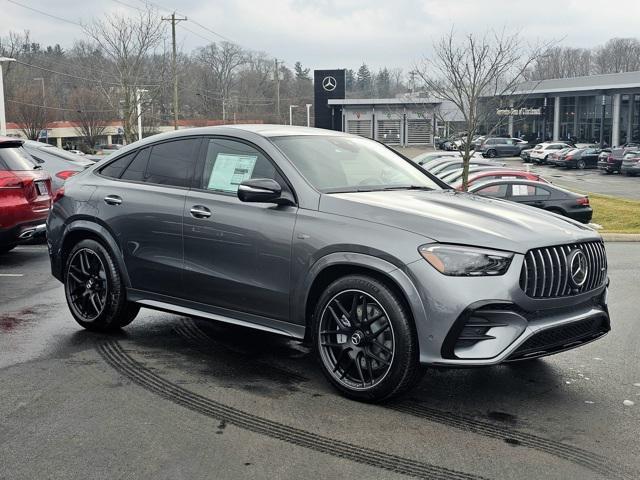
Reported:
(59, 163)
(329, 238)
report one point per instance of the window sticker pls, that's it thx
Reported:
(230, 170)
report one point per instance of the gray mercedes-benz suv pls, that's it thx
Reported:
(329, 238)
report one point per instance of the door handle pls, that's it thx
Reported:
(200, 211)
(112, 200)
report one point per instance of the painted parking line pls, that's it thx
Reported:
(11, 274)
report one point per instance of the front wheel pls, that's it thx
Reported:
(94, 289)
(365, 339)
(581, 164)
(492, 153)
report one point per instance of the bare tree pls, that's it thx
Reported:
(617, 55)
(222, 61)
(476, 69)
(29, 112)
(92, 113)
(127, 41)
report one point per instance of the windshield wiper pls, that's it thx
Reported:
(407, 187)
(37, 167)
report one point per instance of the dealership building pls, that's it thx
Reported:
(583, 109)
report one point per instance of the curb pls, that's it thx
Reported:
(621, 237)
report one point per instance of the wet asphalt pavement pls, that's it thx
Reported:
(176, 398)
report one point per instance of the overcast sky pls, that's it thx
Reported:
(344, 33)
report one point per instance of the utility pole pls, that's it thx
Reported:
(309, 105)
(44, 106)
(173, 21)
(277, 93)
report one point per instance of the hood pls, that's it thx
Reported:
(448, 216)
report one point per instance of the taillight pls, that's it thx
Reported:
(568, 157)
(58, 195)
(610, 159)
(583, 201)
(9, 180)
(64, 174)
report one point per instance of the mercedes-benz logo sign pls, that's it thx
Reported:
(356, 338)
(578, 268)
(329, 84)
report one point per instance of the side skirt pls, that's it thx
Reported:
(194, 309)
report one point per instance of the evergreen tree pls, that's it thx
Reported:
(301, 73)
(383, 83)
(350, 79)
(363, 79)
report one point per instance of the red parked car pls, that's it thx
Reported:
(485, 175)
(25, 195)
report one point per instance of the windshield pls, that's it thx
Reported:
(351, 164)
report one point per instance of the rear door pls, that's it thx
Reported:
(141, 199)
(237, 254)
(527, 194)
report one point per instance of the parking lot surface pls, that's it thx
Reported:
(172, 397)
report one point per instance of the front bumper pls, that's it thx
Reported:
(481, 321)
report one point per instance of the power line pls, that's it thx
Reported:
(60, 108)
(157, 5)
(86, 79)
(45, 13)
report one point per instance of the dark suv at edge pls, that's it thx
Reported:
(330, 238)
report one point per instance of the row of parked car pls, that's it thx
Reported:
(624, 159)
(492, 179)
(31, 175)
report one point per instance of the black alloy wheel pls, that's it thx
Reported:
(87, 283)
(492, 153)
(356, 339)
(365, 339)
(95, 293)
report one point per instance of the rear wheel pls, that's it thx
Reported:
(365, 339)
(581, 164)
(94, 289)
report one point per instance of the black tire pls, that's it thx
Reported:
(6, 248)
(396, 363)
(102, 304)
(492, 153)
(581, 164)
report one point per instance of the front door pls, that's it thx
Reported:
(237, 255)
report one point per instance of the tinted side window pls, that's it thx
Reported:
(542, 192)
(172, 163)
(496, 191)
(115, 168)
(229, 163)
(136, 169)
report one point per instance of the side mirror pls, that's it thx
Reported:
(263, 190)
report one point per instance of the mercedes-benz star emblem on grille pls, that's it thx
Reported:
(329, 84)
(578, 268)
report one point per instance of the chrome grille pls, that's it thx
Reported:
(545, 272)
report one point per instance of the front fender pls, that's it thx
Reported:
(379, 265)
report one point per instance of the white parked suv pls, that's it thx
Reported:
(541, 151)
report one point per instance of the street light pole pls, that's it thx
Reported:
(291, 107)
(44, 106)
(139, 91)
(3, 118)
(309, 114)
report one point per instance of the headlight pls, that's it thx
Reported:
(460, 261)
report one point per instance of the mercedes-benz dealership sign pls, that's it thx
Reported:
(328, 85)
